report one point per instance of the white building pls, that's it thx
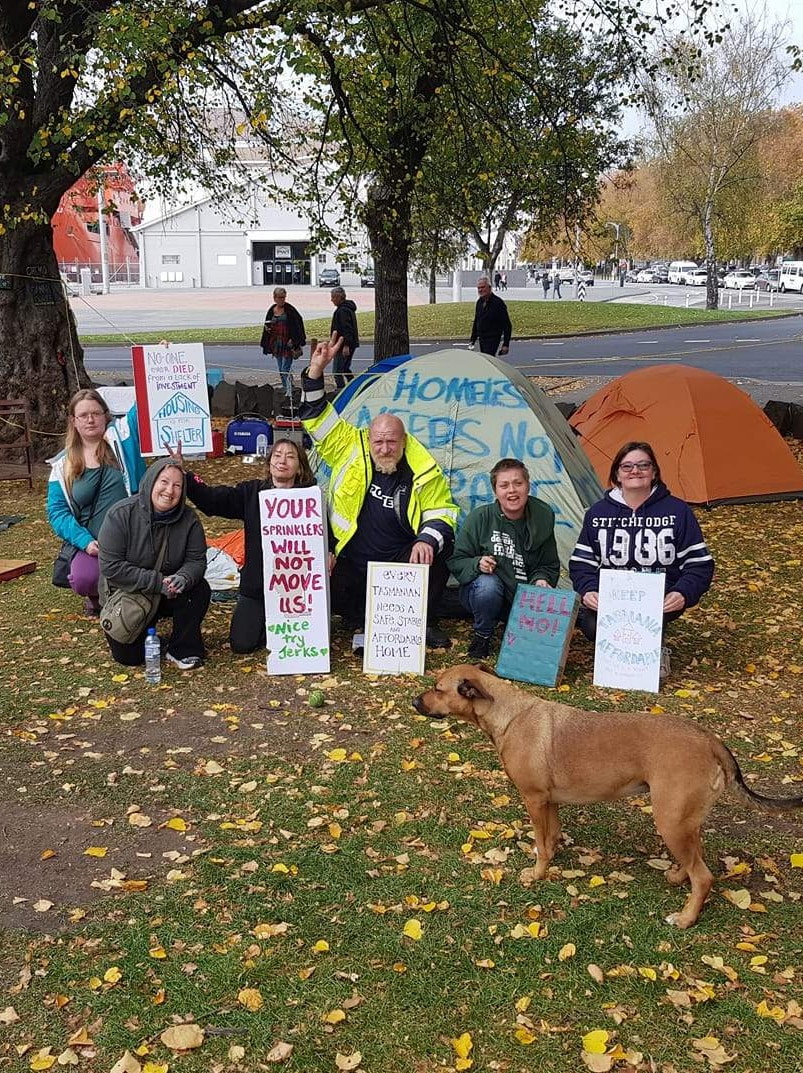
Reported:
(251, 242)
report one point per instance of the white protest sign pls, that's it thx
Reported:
(395, 618)
(172, 398)
(294, 556)
(627, 654)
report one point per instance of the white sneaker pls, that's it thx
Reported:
(188, 663)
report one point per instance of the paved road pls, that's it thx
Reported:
(769, 351)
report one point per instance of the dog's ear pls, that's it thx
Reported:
(471, 690)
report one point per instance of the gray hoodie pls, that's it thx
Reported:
(130, 539)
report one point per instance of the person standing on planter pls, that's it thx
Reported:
(344, 324)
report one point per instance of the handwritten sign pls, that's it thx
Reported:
(294, 557)
(630, 624)
(172, 399)
(395, 618)
(535, 643)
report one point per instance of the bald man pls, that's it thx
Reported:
(388, 500)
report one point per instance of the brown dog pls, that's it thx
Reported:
(556, 755)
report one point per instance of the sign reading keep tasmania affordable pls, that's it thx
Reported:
(172, 398)
(630, 622)
(294, 557)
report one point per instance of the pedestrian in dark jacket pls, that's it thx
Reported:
(283, 336)
(501, 544)
(287, 467)
(545, 282)
(491, 320)
(344, 324)
(638, 525)
(130, 542)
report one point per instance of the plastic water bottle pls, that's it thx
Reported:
(153, 658)
(262, 445)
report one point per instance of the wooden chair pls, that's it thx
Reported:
(14, 418)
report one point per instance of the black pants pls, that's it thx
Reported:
(342, 370)
(187, 612)
(348, 580)
(489, 344)
(247, 630)
(587, 621)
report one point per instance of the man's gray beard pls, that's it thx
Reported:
(386, 468)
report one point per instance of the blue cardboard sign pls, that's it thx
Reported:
(535, 643)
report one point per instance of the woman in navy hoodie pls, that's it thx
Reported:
(638, 525)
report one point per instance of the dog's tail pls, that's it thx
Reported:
(733, 773)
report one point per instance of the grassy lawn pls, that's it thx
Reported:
(256, 862)
(453, 321)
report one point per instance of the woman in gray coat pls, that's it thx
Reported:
(130, 542)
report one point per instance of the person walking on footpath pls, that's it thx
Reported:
(344, 324)
(504, 281)
(545, 282)
(497, 280)
(556, 283)
(283, 336)
(491, 321)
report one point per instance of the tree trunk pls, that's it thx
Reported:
(40, 357)
(711, 281)
(387, 219)
(432, 281)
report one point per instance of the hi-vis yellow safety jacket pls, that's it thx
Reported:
(430, 512)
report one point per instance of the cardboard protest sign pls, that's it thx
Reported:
(535, 643)
(294, 555)
(172, 398)
(395, 618)
(630, 621)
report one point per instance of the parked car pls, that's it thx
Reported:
(769, 280)
(661, 272)
(367, 279)
(678, 271)
(697, 278)
(584, 274)
(647, 275)
(329, 277)
(791, 276)
(741, 279)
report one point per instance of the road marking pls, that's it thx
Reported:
(747, 340)
(552, 343)
(696, 340)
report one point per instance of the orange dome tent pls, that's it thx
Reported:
(713, 443)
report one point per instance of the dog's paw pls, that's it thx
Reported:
(677, 920)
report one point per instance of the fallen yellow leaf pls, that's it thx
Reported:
(183, 1037)
(596, 1041)
(412, 929)
(175, 823)
(525, 1036)
(96, 851)
(566, 952)
(463, 1045)
(334, 1017)
(251, 998)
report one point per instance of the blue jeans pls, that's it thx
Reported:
(285, 365)
(485, 598)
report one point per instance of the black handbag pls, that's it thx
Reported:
(126, 615)
(63, 564)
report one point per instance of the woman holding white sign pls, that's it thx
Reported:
(287, 467)
(638, 525)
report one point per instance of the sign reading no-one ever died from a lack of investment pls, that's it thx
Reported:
(395, 618)
(537, 635)
(172, 398)
(630, 619)
(294, 556)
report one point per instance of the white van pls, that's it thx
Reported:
(791, 277)
(679, 269)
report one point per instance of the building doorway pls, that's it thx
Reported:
(283, 264)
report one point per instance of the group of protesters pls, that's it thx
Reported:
(131, 529)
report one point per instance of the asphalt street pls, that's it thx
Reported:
(759, 355)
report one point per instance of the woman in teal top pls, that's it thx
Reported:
(100, 465)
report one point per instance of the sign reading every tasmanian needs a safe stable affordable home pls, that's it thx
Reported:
(172, 398)
(294, 557)
(395, 618)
